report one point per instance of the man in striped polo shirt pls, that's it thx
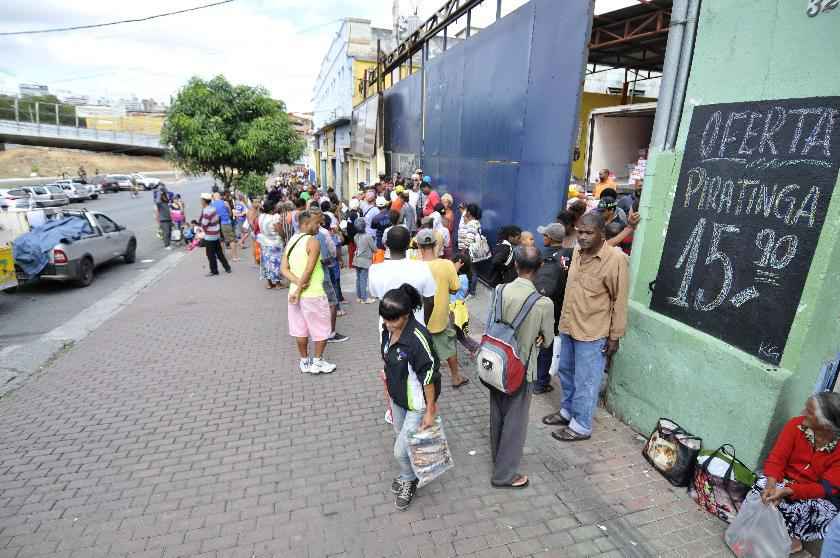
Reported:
(211, 226)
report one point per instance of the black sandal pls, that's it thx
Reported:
(555, 419)
(568, 435)
(512, 485)
(465, 382)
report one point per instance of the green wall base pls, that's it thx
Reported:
(717, 392)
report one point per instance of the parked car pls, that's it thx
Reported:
(57, 194)
(123, 181)
(15, 198)
(47, 196)
(105, 183)
(77, 260)
(147, 182)
(76, 192)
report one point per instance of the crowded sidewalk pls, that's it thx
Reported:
(183, 427)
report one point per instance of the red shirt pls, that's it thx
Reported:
(795, 459)
(431, 201)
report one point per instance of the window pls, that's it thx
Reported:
(106, 224)
(40, 190)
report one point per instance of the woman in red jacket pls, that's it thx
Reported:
(802, 473)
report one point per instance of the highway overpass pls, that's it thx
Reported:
(51, 135)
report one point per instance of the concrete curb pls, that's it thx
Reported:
(20, 362)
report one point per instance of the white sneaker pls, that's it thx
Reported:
(306, 366)
(321, 366)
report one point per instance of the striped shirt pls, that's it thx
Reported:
(210, 223)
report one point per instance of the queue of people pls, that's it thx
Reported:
(415, 253)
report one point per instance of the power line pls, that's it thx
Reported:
(96, 25)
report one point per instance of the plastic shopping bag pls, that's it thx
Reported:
(758, 531)
(429, 453)
(554, 370)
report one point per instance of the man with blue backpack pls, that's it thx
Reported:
(521, 321)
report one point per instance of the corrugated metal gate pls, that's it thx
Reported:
(500, 114)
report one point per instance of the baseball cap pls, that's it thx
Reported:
(425, 238)
(554, 231)
(427, 179)
(607, 202)
(207, 196)
(354, 203)
(380, 202)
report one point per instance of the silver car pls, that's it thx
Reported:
(47, 196)
(76, 261)
(15, 198)
(76, 192)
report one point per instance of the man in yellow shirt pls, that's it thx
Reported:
(439, 326)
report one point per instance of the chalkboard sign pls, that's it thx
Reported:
(752, 196)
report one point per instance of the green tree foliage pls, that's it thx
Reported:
(229, 130)
(251, 184)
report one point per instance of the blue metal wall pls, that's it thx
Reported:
(501, 113)
(403, 117)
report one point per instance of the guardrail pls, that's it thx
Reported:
(52, 131)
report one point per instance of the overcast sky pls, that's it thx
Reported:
(275, 43)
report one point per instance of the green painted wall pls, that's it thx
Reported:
(745, 50)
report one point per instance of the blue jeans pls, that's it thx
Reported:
(544, 359)
(473, 283)
(404, 422)
(335, 278)
(362, 283)
(581, 370)
(831, 542)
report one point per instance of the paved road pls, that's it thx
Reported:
(36, 309)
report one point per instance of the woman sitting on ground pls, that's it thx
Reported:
(802, 473)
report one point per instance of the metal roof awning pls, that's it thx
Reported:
(634, 37)
(334, 123)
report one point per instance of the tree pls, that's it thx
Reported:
(251, 185)
(229, 130)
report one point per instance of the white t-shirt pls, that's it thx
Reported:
(413, 198)
(391, 274)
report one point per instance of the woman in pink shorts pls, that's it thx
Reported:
(309, 310)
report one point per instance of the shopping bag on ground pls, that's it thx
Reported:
(175, 235)
(758, 531)
(672, 451)
(554, 369)
(429, 453)
(721, 482)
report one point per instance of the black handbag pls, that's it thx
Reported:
(672, 451)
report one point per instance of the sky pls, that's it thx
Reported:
(278, 44)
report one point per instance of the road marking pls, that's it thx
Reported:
(146, 261)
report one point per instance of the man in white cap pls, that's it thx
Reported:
(382, 220)
(212, 227)
(369, 212)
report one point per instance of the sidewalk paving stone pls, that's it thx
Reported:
(182, 427)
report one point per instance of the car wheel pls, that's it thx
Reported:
(130, 255)
(95, 197)
(85, 273)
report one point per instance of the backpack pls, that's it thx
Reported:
(499, 362)
(551, 277)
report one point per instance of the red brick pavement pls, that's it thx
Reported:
(182, 427)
